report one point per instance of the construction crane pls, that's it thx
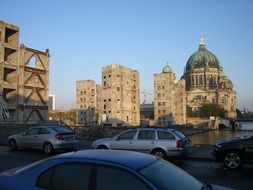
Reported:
(145, 94)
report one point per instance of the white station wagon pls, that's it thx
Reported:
(162, 142)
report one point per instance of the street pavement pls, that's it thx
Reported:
(198, 151)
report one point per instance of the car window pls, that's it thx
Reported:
(180, 134)
(127, 135)
(74, 176)
(33, 131)
(164, 135)
(60, 129)
(146, 134)
(44, 131)
(124, 180)
(167, 176)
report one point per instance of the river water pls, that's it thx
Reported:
(211, 137)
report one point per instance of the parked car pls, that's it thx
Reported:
(234, 152)
(162, 142)
(47, 138)
(106, 170)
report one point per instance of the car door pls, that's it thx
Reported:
(30, 138)
(42, 137)
(66, 176)
(249, 147)
(145, 140)
(124, 141)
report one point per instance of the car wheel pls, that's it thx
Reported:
(102, 147)
(159, 153)
(48, 148)
(232, 160)
(13, 144)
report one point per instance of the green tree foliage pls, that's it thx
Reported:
(207, 110)
(63, 115)
(210, 109)
(190, 112)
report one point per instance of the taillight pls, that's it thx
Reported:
(59, 137)
(180, 143)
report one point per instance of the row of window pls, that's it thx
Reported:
(84, 91)
(161, 103)
(160, 87)
(161, 111)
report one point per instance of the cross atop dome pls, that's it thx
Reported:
(201, 42)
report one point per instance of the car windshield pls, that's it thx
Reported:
(60, 129)
(166, 176)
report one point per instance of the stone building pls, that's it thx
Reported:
(169, 98)
(121, 95)
(114, 103)
(23, 79)
(206, 82)
(87, 95)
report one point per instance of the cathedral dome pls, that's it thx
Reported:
(167, 69)
(202, 58)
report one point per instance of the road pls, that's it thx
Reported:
(204, 170)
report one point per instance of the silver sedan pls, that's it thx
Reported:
(47, 138)
(161, 142)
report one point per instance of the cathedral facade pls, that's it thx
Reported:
(203, 82)
(206, 82)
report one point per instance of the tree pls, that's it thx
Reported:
(190, 112)
(211, 109)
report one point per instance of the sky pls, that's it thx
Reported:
(85, 35)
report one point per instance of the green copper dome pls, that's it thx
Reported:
(167, 69)
(202, 58)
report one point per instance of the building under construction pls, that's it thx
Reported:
(24, 79)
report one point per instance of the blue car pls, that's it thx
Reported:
(105, 170)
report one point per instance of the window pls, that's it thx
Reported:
(104, 100)
(127, 135)
(159, 88)
(118, 89)
(109, 100)
(34, 131)
(159, 95)
(66, 176)
(125, 180)
(164, 135)
(44, 131)
(104, 106)
(146, 134)
(163, 103)
(104, 83)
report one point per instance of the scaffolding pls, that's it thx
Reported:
(4, 112)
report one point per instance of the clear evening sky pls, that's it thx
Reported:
(85, 35)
